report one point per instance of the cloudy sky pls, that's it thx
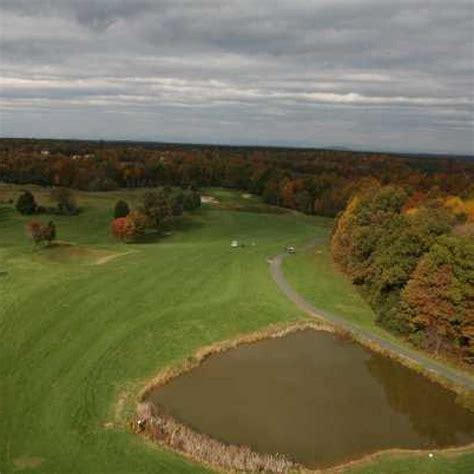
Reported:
(371, 74)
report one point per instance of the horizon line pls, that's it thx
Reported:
(341, 148)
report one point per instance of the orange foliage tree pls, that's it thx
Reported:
(438, 300)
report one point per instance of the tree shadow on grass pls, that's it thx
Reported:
(150, 237)
(187, 224)
(181, 224)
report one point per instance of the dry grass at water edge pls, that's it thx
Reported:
(200, 447)
(162, 428)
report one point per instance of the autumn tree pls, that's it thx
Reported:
(40, 232)
(123, 229)
(389, 253)
(139, 221)
(157, 207)
(130, 227)
(461, 208)
(438, 301)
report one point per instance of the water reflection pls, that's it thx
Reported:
(431, 409)
(317, 398)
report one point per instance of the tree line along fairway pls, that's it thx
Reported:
(75, 334)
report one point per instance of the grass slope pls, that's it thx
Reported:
(314, 275)
(74, 334)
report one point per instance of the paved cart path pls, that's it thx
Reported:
(452, 375)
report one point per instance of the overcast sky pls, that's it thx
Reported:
(371, 74)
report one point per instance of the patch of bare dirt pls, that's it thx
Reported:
(66, 252)
(27, 462)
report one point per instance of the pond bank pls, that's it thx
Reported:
(163, 427)
(449, 377)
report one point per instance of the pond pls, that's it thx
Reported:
(318, 398)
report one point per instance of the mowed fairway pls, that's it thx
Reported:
(82, 324)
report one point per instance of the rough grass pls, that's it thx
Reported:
(75, 337)
(314, 275)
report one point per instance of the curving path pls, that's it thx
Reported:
(450, 374)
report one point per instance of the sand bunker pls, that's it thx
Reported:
(209, 200)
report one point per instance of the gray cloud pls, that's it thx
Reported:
(370, 74)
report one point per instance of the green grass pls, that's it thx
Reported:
(75, 334)
(314, 275)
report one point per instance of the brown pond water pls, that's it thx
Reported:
(317, 398)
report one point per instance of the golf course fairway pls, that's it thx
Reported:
(84, 323)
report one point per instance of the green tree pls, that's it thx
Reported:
(157, 207)
(50, 232)
(191, 200)
(177, 202)
(26, 203)
(121, 209)
(65, 200)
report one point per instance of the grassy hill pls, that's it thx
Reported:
(88, 320)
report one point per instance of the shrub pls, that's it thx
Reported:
(139, 221)
(130, 227)
(26, 203)
(121, 209)
(40, 232)
(66, 202)
(191, 200)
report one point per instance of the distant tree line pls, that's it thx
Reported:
(310, 181)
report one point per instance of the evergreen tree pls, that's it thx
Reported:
(26, 203)
(121, 209)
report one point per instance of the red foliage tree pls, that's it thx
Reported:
(123, 229)
(40, 232)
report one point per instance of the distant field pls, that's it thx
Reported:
(85, 320)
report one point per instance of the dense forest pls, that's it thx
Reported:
(404, 230)
(413, 258)
(308, 180)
